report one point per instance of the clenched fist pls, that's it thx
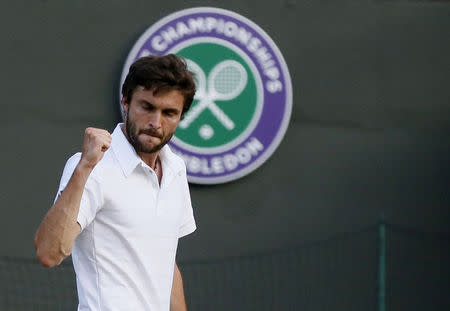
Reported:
(96, 142)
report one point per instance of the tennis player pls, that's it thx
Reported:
(124, 202)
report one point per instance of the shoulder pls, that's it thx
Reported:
(179, 162)
(71, 164)
(176, 162)
(99, 169)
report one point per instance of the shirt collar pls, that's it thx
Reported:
(128, 158)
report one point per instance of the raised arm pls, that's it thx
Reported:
(55, 236)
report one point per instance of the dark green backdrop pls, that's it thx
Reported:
(368, 138)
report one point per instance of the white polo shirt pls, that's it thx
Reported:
(125, 254)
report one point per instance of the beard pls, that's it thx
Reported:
(133, 134)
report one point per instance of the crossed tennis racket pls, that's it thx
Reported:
(225, 82)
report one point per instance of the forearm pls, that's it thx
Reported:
(57, 232)
(177, 299)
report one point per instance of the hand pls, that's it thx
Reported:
(96, 142)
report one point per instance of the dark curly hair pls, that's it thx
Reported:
(163, 73)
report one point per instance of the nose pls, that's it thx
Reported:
(155, 120)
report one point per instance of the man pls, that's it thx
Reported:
(124, 201)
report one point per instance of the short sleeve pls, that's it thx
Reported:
(92, 195)
(188, 224)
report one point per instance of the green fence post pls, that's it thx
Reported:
(382, 267)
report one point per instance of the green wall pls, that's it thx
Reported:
(369, 133)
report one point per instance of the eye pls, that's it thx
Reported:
(147, 106)
(170, 113)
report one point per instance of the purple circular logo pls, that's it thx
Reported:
(243, 102)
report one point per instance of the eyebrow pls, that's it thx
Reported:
(174, 110)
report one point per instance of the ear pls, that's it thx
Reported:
(125, 105)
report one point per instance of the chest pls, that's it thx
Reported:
(136, 205)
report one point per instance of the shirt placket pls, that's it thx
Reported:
(153, 183)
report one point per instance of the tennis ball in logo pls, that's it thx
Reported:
(226, 98)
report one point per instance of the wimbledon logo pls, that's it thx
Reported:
(243, 102)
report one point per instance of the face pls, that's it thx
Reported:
(151, 120)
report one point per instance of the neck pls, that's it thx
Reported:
(149, 158)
